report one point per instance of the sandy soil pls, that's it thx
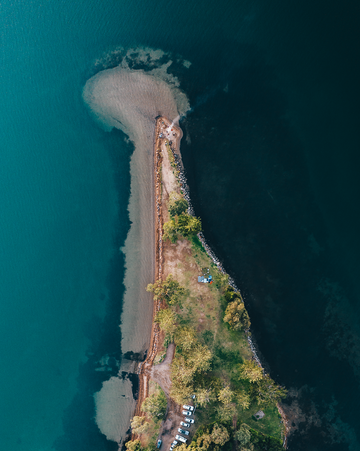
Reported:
(161, 374)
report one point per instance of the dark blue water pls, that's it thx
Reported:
(272, 166)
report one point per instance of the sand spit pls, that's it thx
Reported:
(130, 101)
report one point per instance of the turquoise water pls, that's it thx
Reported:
(284, 163)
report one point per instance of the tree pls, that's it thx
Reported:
(251, 371)
(220, 435)
(181, 370)
(166, 319)
(182, 447)
(236, 315)
(199, 358)
(155, 405)
(268, 393)
(226, 395)
(203, 442)
(188, 225)
(133, 445)
(226, 412)
(185, 337)
(227, 408)
(139, 425)
(170, 231)
(184, 224)
(242, 399)
(180, 392)
(177, 204)
(243, 436)
(170, 290)
(205, 396)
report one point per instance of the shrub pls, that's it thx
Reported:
(155, 406)
(170, 290)
(251, 371)
(236, 315)
(177, 204)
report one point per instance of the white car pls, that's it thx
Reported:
(186, 425)
(186, 412)
(191, 408)
(174, 443)
(180, 438)
(182, 431)
(189, 420)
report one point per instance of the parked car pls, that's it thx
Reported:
(174, 443)
(180, 438)
(159, 442)
(182, 431)
(189, 420)
(186, 412)
(186, 425)
(191, 408)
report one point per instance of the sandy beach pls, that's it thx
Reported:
(131, 101)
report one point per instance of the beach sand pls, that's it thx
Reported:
(131, 100)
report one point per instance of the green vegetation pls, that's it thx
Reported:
(181, 225)
(251, 371)
(148, 426)
(212, 360)
(169, 291)
(236, 315)
(177, 204)
(133, 445)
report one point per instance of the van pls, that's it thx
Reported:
(180, 438)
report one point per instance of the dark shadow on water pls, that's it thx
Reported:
(250, 184)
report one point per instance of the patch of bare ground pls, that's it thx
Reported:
(161, 374)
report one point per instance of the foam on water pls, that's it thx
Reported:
(130, 100)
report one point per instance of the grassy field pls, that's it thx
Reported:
(203, 309)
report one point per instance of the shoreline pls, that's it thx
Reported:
(144, 368)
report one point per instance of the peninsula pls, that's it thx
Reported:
(201, 386)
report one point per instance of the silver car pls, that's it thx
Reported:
(186, 425)
(186, 412)
(182, 431)
(191, 408)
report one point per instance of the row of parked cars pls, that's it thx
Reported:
(188, 412)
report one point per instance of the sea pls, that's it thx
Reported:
(271, 153)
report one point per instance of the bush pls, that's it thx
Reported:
(265, 442)
(177, 204)
(184, 225)
(166, 319)
(139, 425)
(155, 406)
(133, 445)
(237, 316)
(170, 290)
